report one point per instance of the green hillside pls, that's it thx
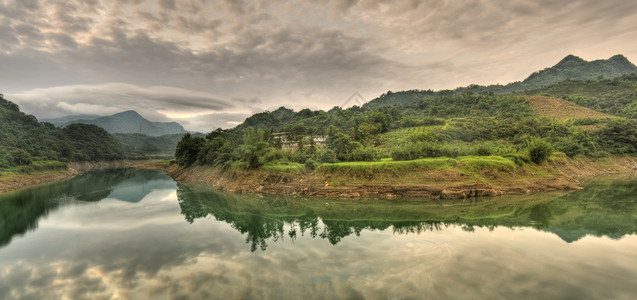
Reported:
(475, 121)
(575, 68)
(456, 125)
(27, 144)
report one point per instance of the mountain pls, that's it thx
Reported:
(575, 68)
(124, 122)
(569, 68)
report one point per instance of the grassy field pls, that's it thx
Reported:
(398, 168)
(286, 167)
(35, 173)
(563, 110)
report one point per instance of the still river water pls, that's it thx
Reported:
(137, 234)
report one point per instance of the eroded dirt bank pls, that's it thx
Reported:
(441, 184)
(16, 181)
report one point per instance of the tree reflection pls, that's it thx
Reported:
(21, 210)
(602, 209)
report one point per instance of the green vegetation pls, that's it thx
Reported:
(142, 145)
(506, 129)
(539, 151)
(571, 68)
(387, 166)
(27, 145)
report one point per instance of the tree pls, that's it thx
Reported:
(254, 147)
(298, 132)
(20, 157)
(148, 148)
(188, 150)
(212, 150)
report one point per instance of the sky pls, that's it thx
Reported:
(209, 64)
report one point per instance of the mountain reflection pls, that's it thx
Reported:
(604, 208)
(21, 210)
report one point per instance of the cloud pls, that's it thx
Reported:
(280, 52)
(157, 103)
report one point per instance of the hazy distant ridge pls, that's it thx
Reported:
(124, 122)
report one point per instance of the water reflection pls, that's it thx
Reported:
(21, 210)
(506, 247)
(605, 208)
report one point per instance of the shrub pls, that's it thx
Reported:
(20, 157)
(409, 151)
(311, 164)
(365, 154)
(539, 150)
(327, 156)
(483, 150)
(568, 145)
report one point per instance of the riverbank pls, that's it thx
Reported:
(10, 181)
(440, 178)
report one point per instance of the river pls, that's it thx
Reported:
(137, 234)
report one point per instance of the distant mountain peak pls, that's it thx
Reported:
(570, 60)
(620, 59)
(128, 121)
(570, 67)
(129, 113)
(573, 67)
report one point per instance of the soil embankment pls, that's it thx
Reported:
(10, 182)
(451, 183)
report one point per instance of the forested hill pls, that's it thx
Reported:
(575, 68)
(27, 143)
(124, 122)
(569, 68)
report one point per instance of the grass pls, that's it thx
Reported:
(35, 166)
(387, 166)
(388, 169)
(284, 167)
(556, 108)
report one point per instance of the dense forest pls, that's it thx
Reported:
(26, 144)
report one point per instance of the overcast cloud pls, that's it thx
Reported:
(209, 64)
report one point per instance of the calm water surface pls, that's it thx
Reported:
(136, 234)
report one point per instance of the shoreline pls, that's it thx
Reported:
(560, 174)
(563, 174)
